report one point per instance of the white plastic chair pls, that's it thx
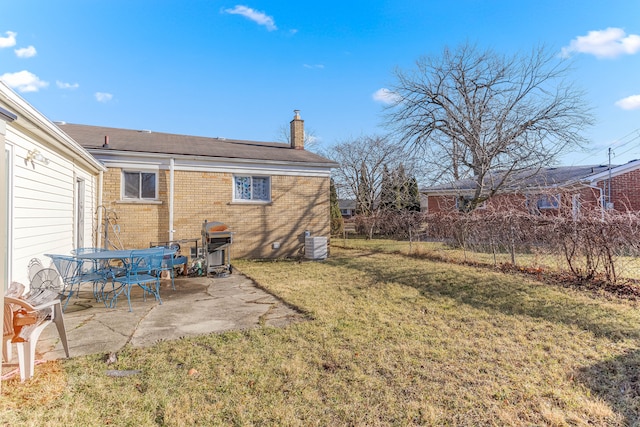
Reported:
(25, 317)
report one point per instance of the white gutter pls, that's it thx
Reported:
(112, 152)
(171, 189)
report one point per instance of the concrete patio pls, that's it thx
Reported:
(199, 305)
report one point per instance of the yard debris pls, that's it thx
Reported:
(193, 372)
(111, 358)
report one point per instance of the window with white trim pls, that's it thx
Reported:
(139, 185)
(540, 202)
(548, 201)
(251, 188)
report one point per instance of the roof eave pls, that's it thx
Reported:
(111, 152)
(34, 121)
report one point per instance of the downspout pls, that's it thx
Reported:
(172, 164)
(601, 198)
(99, 209)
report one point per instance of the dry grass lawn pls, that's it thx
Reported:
(391, 340)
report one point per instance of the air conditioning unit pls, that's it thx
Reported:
(315, 247)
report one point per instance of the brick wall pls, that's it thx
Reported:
(625, 191)
(437, 204)
(298, 204)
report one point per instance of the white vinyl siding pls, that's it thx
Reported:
(44, 204)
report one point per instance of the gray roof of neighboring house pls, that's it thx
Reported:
(346, 204)
(93, 138)
(549, 177)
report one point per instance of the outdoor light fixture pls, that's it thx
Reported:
(35, 156)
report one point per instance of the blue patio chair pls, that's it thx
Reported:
(171, 260)
(94, 271)
(143, 268)
(69, 269)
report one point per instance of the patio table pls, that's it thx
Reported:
(110, 254)
(110, 296)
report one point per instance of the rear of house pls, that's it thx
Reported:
(161, 187)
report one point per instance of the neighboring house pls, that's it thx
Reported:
(49, 189)
(162, 187)
(574, 187)
(347, 208)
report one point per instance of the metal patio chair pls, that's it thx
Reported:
(35, 265)
(69, 269)
(171, 260)
(95, 271)
(143, 268)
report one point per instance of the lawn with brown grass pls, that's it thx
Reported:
(390, 340)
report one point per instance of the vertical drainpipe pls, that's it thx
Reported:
(99, 209)
(171, 182)
(601, 198)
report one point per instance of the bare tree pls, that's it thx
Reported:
(362, 167)
(488, 117)
(311, 142)
(362, 163)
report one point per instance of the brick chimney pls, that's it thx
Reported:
(297, 131)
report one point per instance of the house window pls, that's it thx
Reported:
(252, 188)
(140, 185)
(547, 201)
(464, 203)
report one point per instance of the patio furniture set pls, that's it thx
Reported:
(111, 272)
(114, 272)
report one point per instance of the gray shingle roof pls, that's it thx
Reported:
(93, 138)
(549, 177)
(346, 204)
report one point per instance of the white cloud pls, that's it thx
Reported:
(629, 103)
(63, 85)
(609, 43)
(26, 52)
(103, 97)
(8, 41)
(259, 18)
(317, 66)
(385, 96)
(24, 81)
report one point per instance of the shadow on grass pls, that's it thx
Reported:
(502, 293)
(617, 380)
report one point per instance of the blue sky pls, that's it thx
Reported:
(239, 69)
